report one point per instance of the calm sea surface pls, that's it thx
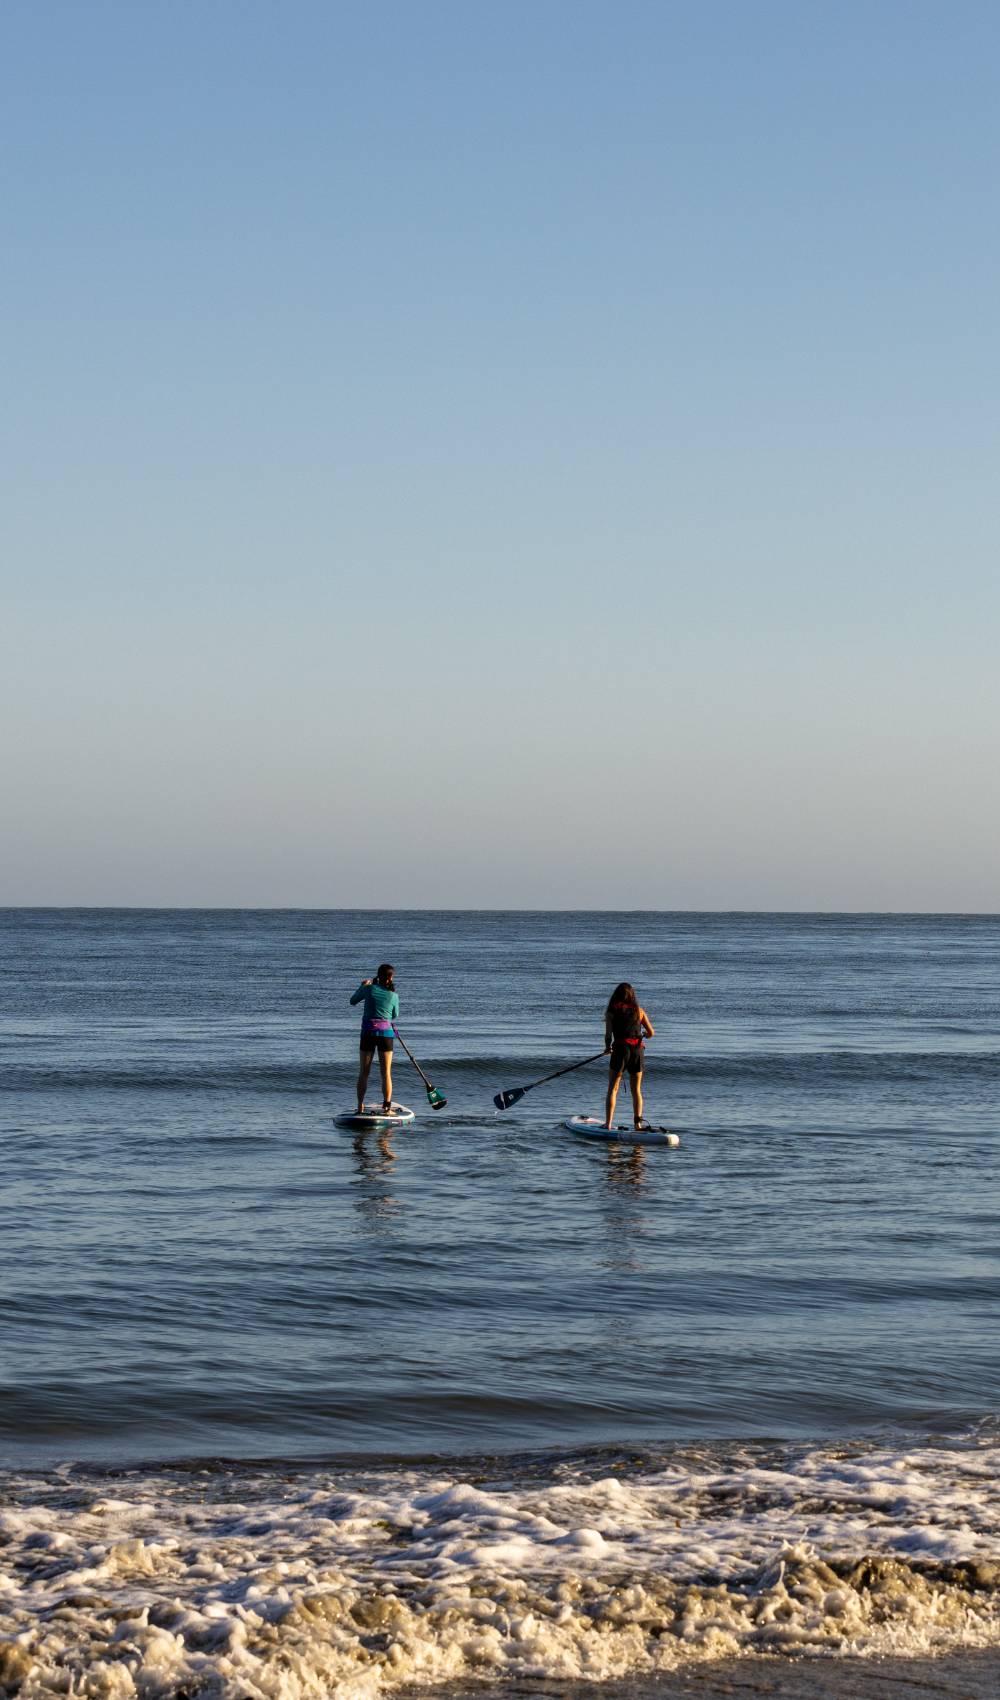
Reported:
(782, 1337)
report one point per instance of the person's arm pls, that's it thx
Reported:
(394, 1006)
(608, 1035)
(362, 989)
(647, 1025)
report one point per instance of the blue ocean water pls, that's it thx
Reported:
(285, 1409)
(198, 1261)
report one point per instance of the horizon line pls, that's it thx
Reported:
(459, 909)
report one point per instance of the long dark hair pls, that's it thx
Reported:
(384, 976)
(623, 997)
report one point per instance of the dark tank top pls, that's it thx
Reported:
(626, 1026)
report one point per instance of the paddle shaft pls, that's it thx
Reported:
(428, 1083)
(568, 1070)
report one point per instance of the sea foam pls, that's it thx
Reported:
(338, 1582)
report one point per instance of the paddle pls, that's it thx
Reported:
(435, 1099)
(504, 1100)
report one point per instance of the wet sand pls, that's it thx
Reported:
(954, 1676)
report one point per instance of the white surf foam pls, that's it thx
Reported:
(235, 1583)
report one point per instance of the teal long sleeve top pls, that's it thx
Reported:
(380, 1003)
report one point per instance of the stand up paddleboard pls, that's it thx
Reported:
(591, 1127)
(370, 1117)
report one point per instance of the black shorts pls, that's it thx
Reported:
(376, 1042)
(627, 1058)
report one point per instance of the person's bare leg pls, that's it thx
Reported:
(385, 1066)
(363, 1073)
(635, 1086)
(614, 1081)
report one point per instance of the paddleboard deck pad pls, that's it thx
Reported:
(591, 1127)
(371, 1117)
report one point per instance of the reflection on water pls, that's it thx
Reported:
(627, 1167)
(373, 1196)
(624, 1175)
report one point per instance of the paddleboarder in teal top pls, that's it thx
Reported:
(381, 1002)
(626, 1025)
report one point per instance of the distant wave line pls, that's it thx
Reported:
(796, 1067)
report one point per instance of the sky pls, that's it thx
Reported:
(528, 454)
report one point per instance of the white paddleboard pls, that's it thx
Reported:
(371, 1117)
(591, 1127)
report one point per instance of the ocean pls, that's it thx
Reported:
(287, 1411)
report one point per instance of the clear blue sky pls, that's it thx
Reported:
(532, 454)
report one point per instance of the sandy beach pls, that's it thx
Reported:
(960, 1676)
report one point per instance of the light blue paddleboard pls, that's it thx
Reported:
(370, 1117)
(623, 1133)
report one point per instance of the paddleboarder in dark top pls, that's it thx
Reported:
(381, 1009)
(626, 1025)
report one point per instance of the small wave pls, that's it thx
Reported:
(206, 1077)
(826, 1067)
(801, 1069)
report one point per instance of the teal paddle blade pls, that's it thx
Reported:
(435, 1098)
